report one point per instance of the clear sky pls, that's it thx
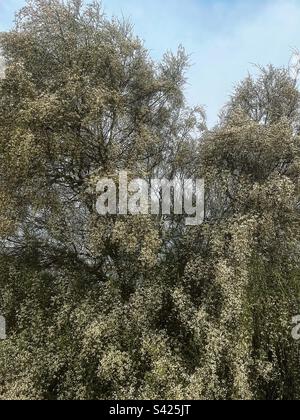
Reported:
(224, 37)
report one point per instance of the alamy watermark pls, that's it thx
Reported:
(2, 328)
(155, 197)
(296, 328)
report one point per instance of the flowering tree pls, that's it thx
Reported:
(137, 307)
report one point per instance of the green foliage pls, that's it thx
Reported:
(133, 307)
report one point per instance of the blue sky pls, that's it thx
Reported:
(224, 37)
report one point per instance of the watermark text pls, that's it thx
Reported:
(155, 197)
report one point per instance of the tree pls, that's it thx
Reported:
(241, 285)
(140, 307)
(82, 100)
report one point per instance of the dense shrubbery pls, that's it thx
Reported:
(117, 307)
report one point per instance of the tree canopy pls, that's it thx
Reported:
(141, 307)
